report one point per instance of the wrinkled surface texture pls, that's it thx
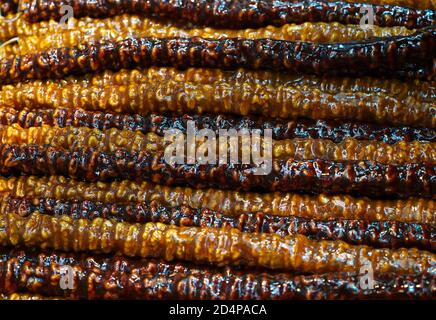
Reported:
(339, 107)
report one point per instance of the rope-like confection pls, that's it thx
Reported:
(420, 4)
(73, 138)
(321, 207)
(318, 176)
(386, 234)
(234, 93)
(157, 123)
(404, 56)
(235, 14)
(117, 277)
(215, 246)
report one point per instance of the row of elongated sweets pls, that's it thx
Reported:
(24, 296)
(318, 176)
(423, 91)
(46, 34)
(403, 56)
(232, 203)
(238, 92)
(73, 138)
(161, 123)
(421, 4)
(122, 27)
(282, 101)
(86, 184)
(215, 246)
(99, 277)
(235, 14)
(390, 234)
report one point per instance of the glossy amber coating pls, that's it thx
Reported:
(306, 31)
(321, 207)
(15, 26)
(205, 91)
(234, 14)
(116, 277)
(73, 138)
(336, 131)
(404, 56)
(73, 103)
(386, 234)
(351, 149)
(423, 91)
(365, 178)
(25, 296)
(119, 28)
(219, 247)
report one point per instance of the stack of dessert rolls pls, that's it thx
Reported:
(346, 211)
